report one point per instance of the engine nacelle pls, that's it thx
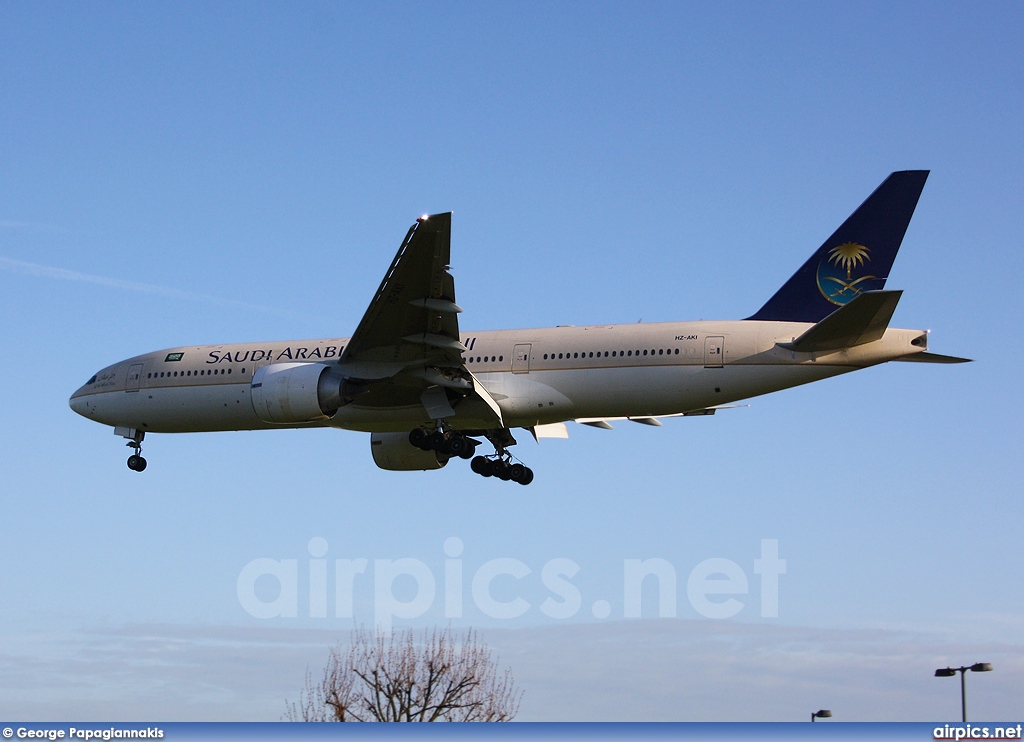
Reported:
(292, 393)
(392, 451)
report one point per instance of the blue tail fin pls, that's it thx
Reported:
(856, 258)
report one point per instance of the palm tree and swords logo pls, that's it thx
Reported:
(836, 279)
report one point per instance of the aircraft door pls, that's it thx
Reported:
(521, 358)
(714, 351)
(134, 378)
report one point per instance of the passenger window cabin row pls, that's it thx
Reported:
(201, 372)
(470, 359)
(613, 354)
(639, 353)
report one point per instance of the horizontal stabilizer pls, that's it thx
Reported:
(863, 320)
(927, 357)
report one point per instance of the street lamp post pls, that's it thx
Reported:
(822, 714)
(949, 672)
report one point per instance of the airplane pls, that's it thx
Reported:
(427, 392)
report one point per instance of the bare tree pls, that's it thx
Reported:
(392, 677)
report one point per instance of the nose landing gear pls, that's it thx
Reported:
(135, 461)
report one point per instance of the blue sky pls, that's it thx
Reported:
(200, 173)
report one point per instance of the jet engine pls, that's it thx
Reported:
(392, 451)
(299, 392)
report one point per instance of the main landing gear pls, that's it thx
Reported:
(502, 467)
(453, 444)
(135, 461)
(450, 443)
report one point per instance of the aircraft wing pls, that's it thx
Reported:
(413, 318)
(407, 348)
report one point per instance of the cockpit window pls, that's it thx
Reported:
(91, 381)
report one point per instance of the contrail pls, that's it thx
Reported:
(63, 274)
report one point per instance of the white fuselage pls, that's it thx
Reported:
(536, 376)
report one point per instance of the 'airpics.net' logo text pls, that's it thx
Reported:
(407, 588)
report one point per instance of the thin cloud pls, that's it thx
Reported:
(63, 274)
(663, 670)
(39, 226)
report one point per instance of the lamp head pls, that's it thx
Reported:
(945, 673)
(981, 667)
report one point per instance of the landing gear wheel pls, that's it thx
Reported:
(481, 466)
(135, 461)
(502, 470)
(501, 465)
(437, 441)
(418, 438)
(470, 451)
(520, 473)
(458, 446)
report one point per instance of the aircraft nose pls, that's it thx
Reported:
(78, 404)
(84, 398)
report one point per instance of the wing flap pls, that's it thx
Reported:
(549, 430)
(478, 404)
(604, 423)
